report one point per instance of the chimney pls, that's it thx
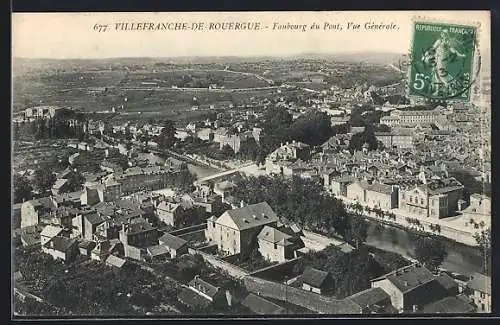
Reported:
(242, 204)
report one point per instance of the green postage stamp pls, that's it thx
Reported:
(442, 61)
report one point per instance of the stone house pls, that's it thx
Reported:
(316, 281)
(175, 246)
(276, 245)
(60, 247)
(480, 292)
(376, 195)
(412, 287)
(236, 230)
(438, 199)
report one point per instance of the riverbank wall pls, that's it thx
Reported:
(395, 219)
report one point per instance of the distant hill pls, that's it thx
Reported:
(22, 64)
(369, 57)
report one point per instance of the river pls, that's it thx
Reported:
(461, 258)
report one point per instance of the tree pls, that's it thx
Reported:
(483, 239)
(298, 200)
(313, 128)
(357, 230)
(226, 152)
(184, 180)
(277, 117)
(75, 181)
(431, 252)
(351, 271)
(44, 179)
(167, 136)
(22, 189)
(359, 139)
(249, 150)
(128, 134)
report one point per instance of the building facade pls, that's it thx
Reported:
(235, 231)
(375, 195)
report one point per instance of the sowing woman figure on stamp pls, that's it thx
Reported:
(438, 57)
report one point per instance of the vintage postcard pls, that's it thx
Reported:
(196, 164)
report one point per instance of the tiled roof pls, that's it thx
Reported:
(47, 203)
(59, 183)
(376, 187)
(168, 206)
(51, 231)
(262, 306)
(157, 250)
(253, 215)
(314, 277)
(480, 282)
(446, 281)
(87, 244)
(409, 277)
(61, 243)
(370, 297)
(95, 218)
(273, 235)
(115, 261)
(138, 227)
(172, 241)
(203, 286)
(449, 305)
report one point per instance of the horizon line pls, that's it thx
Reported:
(210, 55)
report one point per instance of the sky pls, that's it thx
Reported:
(72, 35)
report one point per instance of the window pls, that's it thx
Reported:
(421, 201)
(411, 199)
(482, 295)
(275, 246)
(482, 307)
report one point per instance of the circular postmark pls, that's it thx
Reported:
(444, 63)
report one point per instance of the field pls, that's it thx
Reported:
(39, 153)
(143, 88)
(140, 90)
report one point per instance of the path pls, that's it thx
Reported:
(396, 68)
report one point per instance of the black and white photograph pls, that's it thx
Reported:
(250, 164)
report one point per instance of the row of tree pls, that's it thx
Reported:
(303, 202)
